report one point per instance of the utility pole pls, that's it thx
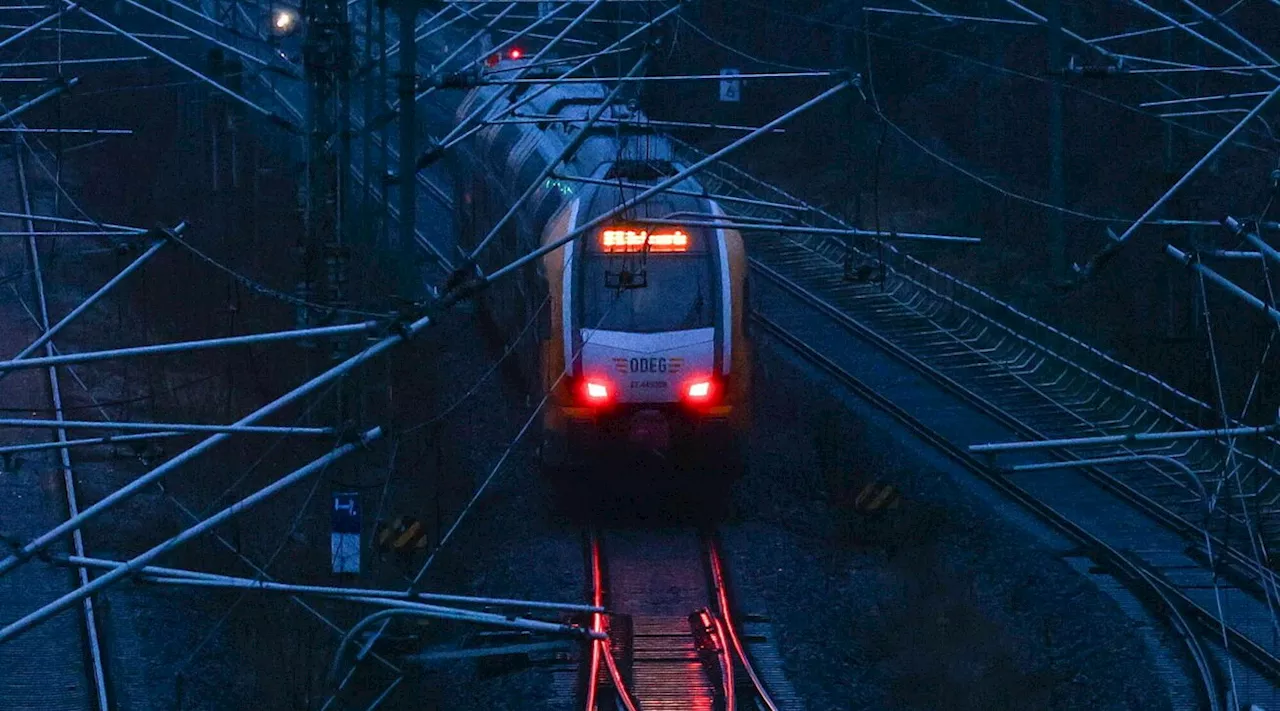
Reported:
(327, 61)
(1172, 274)
(408, 179)
(1057, 197)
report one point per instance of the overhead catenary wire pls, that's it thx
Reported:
(475, 497)
(260, 572)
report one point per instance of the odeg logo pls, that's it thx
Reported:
(648, 365)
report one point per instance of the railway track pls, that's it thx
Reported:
(673, 641)
(62, 665)
(961, 368)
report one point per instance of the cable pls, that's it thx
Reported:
(110, 403)
(1067, 86)
(1232, 472)
(964, 171)
(884, 123)
(739, 52)
(481, 380)
(244, 594)
(260, 288)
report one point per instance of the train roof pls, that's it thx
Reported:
(600, 199)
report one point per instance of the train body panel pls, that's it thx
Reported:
(641, 342)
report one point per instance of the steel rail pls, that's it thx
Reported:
(1128, 570)
(722, 602)
(600, 647)
(916, 273)
(93, 637)
(1266, 579)
(597, 623)
(1213, 697)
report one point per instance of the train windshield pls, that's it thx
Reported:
(647, 293)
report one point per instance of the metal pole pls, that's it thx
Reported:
(407, 88)
(1253, 238)
(1098, 461)
(484, 107)
(569, 149)
(93, 298)
(1213, 19)
(1086, 271)
(550, 83)
(1194, 262)
(178, 576)
(285, 71)
(133, 487)
(196, 530)
(668, 182)
(1231, 254)
(62, 86)
(803, 229)
(691, 193)
(526, 119)
(1125, 439)
(198, 75)
(440, 65)
(1057, 189)
(161, 426)
(1198, 99)
(108, 439)
(76, 233)
(17, 363)
(125, 230)
(674, 77)
(51, 18)
(1186, 28)
(411, 610)
(394, 47)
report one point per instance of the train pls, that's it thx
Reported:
(633, 335)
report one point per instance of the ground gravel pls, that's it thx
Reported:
(939, 604)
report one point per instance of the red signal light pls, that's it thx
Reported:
(515, 53)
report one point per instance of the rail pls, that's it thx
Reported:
(1171, 603)
(999, 354)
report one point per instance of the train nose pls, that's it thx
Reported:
(649, 429)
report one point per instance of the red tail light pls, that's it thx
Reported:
(596, 392)
(699, 390)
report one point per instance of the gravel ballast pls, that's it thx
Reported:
(944, 602)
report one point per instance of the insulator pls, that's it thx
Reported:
(457, 80)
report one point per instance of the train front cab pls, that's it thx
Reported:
(655, 374)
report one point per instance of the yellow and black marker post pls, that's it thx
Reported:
(877, 497)
(405, 537)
